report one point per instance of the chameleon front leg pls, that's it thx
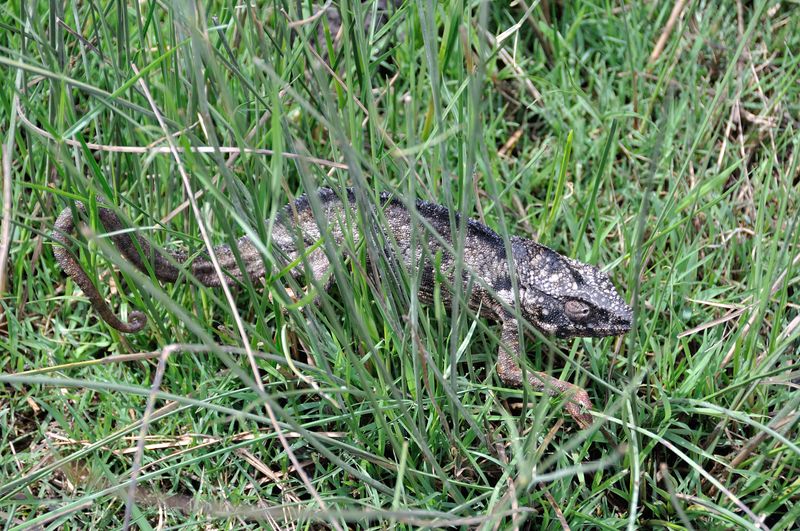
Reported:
(510, 373)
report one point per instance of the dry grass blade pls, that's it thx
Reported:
(776, 285)
(167, 150)
(5, 227)
(7, 198)
(677, 9)
(204, 232)
(229, 296)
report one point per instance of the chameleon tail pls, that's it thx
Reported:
(65, 224)
(163, 268)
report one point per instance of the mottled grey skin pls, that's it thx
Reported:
(558, 295)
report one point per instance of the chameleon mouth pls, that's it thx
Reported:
(616, 327)
(622, 325)
(612, 330)
(621, 329)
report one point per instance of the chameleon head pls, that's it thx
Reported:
(567, 298)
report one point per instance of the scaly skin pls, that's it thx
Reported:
(558, 295)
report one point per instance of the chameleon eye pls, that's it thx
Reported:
(576, 311)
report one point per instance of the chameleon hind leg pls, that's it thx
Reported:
(508, 369)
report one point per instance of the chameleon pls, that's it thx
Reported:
(559, 296)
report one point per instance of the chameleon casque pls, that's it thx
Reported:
(557, 295)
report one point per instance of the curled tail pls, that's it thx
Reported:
(164, 268)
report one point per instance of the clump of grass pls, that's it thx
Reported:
(675, 169)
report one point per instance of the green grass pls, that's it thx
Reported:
(678, 174)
